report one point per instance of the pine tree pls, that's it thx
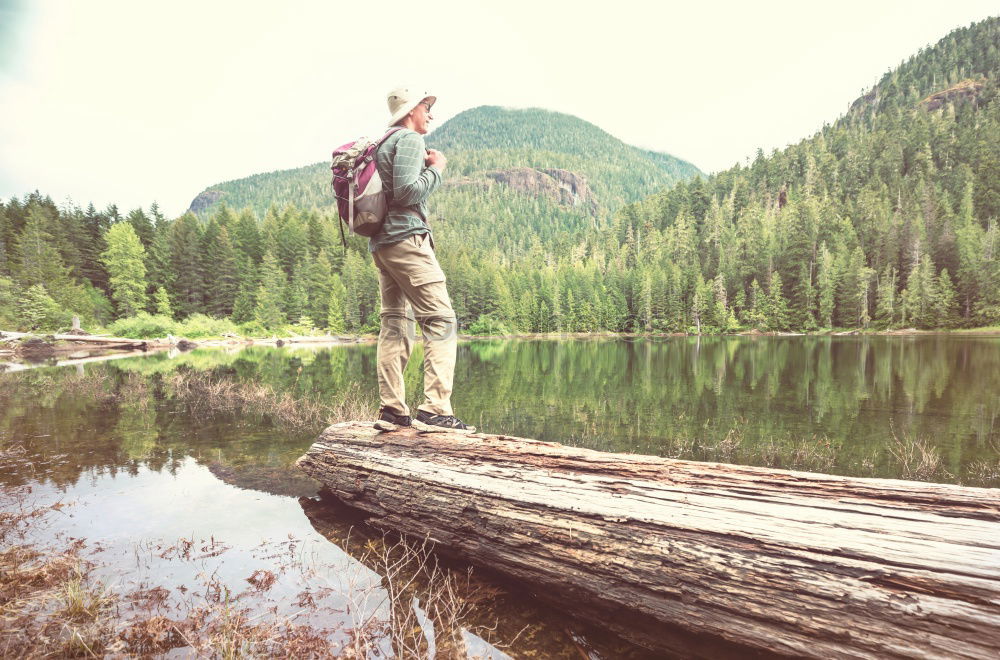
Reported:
(245, 305)
(969, 241)
(335, 306)
(247, 237)
(246, 293)
(826, 283)
(700, 301)
(945, 301)
(220, 270)
(6, 236)
(921, 294)
(798, 260)
(158, 267)
(317, 278)
(291, 241)
(777, 305)
(95, 225)
(37, 262)
(270, 308)
(646, 303)
(143, 226)
(124, 261)
(987, 308)
(187, 284)
(295, 297)
(361, 297)
(886, 298)
(162, 303)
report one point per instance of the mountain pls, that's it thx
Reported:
(480, 143)
(887, 216)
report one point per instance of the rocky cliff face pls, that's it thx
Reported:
(560, 186)
(966, 89)
(205, 200)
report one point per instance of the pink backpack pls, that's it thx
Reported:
(361, 199)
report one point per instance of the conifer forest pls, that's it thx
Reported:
(886, 218)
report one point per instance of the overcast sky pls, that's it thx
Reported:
(131, 102)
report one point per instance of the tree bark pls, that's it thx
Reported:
(707, 555)
(107, 342)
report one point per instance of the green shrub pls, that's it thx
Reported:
(144, 326)
(200, 326)
(38, 311)
(372, 324)
(253, 329)
(487, 325)
(303, 328)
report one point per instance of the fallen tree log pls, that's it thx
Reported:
(32, 345)
(84, 339)
(665, 551)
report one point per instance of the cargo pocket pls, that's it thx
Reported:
(429, 276)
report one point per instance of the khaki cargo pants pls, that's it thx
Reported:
(413, 287)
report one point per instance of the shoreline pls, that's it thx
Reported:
(67, 351)
(89, 347)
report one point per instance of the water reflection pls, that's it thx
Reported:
(852, 405)
(135, 443)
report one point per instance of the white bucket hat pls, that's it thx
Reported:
(404, 99)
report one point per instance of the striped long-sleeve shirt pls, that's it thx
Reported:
(409, 183)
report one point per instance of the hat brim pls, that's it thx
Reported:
(408, 108)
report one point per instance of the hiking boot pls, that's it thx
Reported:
(444, 421)
(389, 415)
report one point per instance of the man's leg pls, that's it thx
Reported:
(419, 275)
(440, 332)
(395, 341)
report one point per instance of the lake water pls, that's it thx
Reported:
(153, 466)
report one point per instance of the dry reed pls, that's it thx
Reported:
(207, 393)
(52, 606)
(917, 458)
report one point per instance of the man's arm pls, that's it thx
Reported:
(412, 183)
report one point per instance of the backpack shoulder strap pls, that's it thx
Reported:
(394, 129)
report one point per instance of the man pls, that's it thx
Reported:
(411, 281)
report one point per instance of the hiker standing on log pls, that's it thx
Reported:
(411, 282)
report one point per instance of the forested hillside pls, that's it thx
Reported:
(480, 140)
(886, 218)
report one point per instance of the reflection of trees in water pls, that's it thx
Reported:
(109, 420)
(817, 403)
(685, 396)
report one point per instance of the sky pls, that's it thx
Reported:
(127, 102)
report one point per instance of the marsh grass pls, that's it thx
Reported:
(207, 394)
(52, 604)
(985, 472)
(917, 458)
(428, 605)
(813, 454)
